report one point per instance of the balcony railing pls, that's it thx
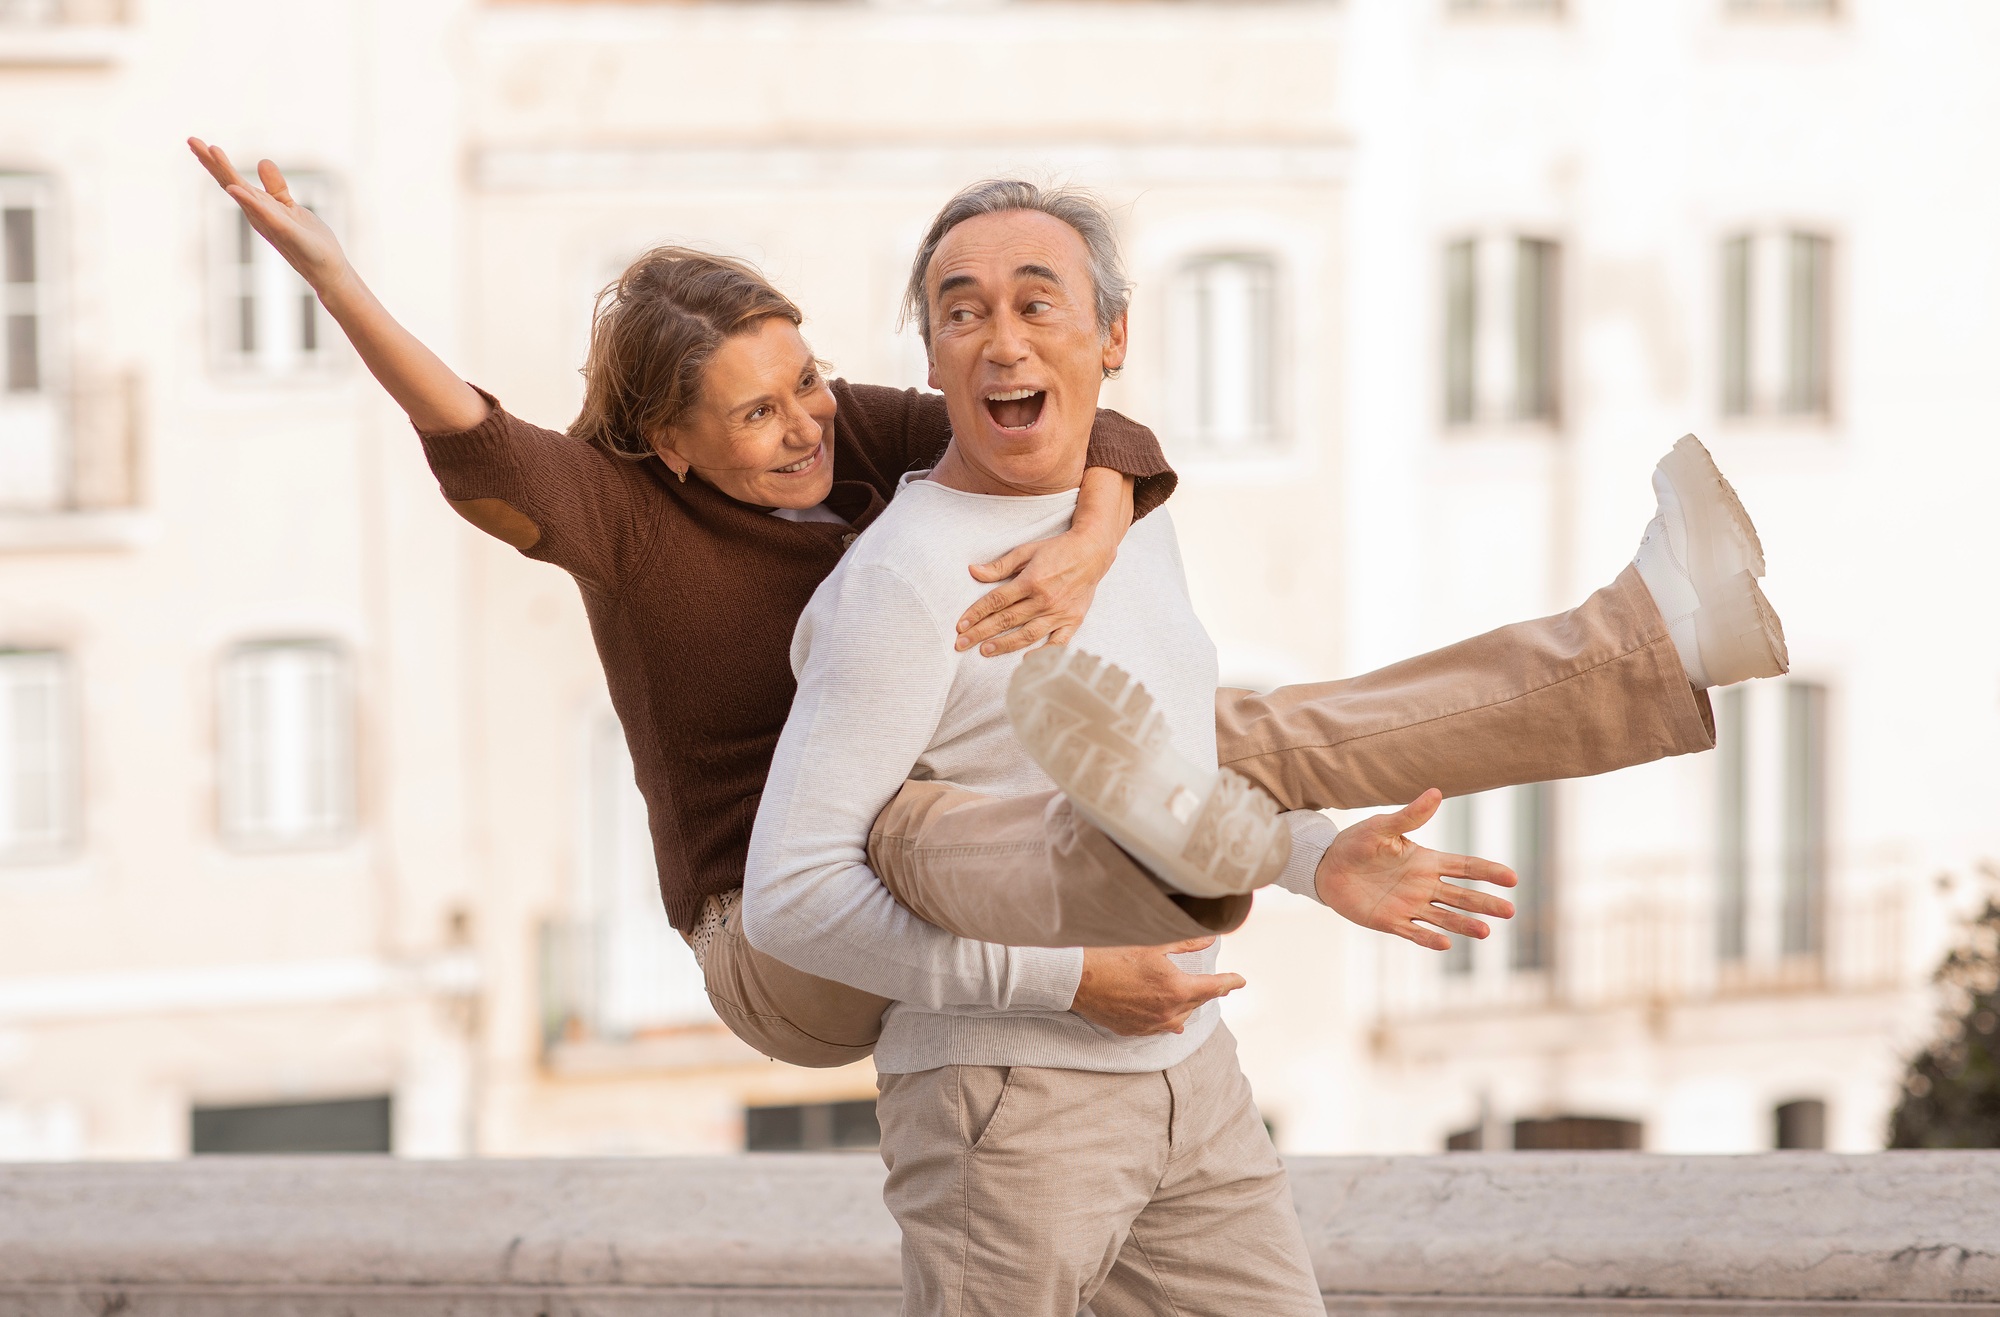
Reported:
(1663, 953)
(1602, 1234)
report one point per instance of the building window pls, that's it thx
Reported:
(1460, 837)
(1776, 327)
(1801, 1124)
(1533, 926)
(32, 474)
(1579, 1134)
(618, 969)
(265, 320)
(347, 1125)
(37, 757)
(1804, 818)
(1783, 8)
(1223, 347)
(1502, 336)
(1504, 8)
(287, 745)
(1732, 809)
(811, 1127)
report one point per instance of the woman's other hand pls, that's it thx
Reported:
(300, 236)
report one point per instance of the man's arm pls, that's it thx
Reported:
(874, 670)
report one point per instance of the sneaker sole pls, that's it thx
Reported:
(1094, 730)
(1711, 505)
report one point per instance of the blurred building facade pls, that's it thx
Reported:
(314, 821)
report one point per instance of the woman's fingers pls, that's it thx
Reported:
(1006, 565)
(215, 161)
(1021, 637)
(999, 597)
(274, 181)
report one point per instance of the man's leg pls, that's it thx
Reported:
(1221, 1236)
(1014, 1187)
(1026, 872)
(1584, 692)
(784, 1013)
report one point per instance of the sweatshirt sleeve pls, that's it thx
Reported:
(874, 671)
(1312, 833)
(907, 430)
(586, 510)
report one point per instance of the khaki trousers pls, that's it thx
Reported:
(1029, 1192)
(1584, 692)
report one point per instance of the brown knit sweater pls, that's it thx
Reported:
(692, 596)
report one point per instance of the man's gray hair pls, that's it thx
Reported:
(1074, 206)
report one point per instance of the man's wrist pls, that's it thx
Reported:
(1312, 833)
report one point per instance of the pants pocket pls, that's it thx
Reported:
(983, 1091)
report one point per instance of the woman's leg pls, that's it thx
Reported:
(1026, 872)
(1583, 692)
(784, 1013)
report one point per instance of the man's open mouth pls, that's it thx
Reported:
(806, 463)
(1016, 409)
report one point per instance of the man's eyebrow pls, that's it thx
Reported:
(1032, 271)
(955, 281)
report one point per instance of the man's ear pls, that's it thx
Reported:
(930, 369)
(1114, 344)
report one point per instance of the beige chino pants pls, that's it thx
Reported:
(1584, 692)
(1029, 1192)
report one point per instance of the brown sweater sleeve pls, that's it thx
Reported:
(907, 429)
(554, 498)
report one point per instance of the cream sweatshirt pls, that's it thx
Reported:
(883, 697)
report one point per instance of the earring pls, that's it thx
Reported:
(681, 476)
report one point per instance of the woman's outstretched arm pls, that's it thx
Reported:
(436, 400)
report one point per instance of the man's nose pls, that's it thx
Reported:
(1006, 344)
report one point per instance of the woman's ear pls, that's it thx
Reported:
(662, 445)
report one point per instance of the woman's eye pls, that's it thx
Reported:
(808, 381)
(759, 413)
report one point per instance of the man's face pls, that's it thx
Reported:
(1016, 350)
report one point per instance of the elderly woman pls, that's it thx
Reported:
(714, 478)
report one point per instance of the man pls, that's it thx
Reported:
(1046, 1148)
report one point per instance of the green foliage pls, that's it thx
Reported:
(1951, 1095)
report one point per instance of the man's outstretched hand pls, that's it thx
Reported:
(1375, 876)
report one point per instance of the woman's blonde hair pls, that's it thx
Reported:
(652, 333)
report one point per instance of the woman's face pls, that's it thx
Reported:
(762, 432)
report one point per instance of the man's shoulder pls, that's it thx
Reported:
(918, 539)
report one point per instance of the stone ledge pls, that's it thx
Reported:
(1890, 1235)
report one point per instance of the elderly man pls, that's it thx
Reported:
(1049, 1143)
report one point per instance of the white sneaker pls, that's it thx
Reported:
(1701, 558)
(1206, 831)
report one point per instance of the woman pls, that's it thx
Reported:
(712, 480)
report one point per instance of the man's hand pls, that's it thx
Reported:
(1377, 877)
(1137, 991)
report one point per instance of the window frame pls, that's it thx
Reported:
(238, 826)
(61, 836)
(1189, 355)
(36, 476)
(248, 283)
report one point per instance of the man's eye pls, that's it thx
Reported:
(960, 314)
(1037, 307)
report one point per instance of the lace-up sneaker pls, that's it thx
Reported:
(1700, 558)
(1207, 832)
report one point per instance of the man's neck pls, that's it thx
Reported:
(957, 470)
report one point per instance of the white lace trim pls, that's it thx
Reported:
(715, 912)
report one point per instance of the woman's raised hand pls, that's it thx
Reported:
(300, 236)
